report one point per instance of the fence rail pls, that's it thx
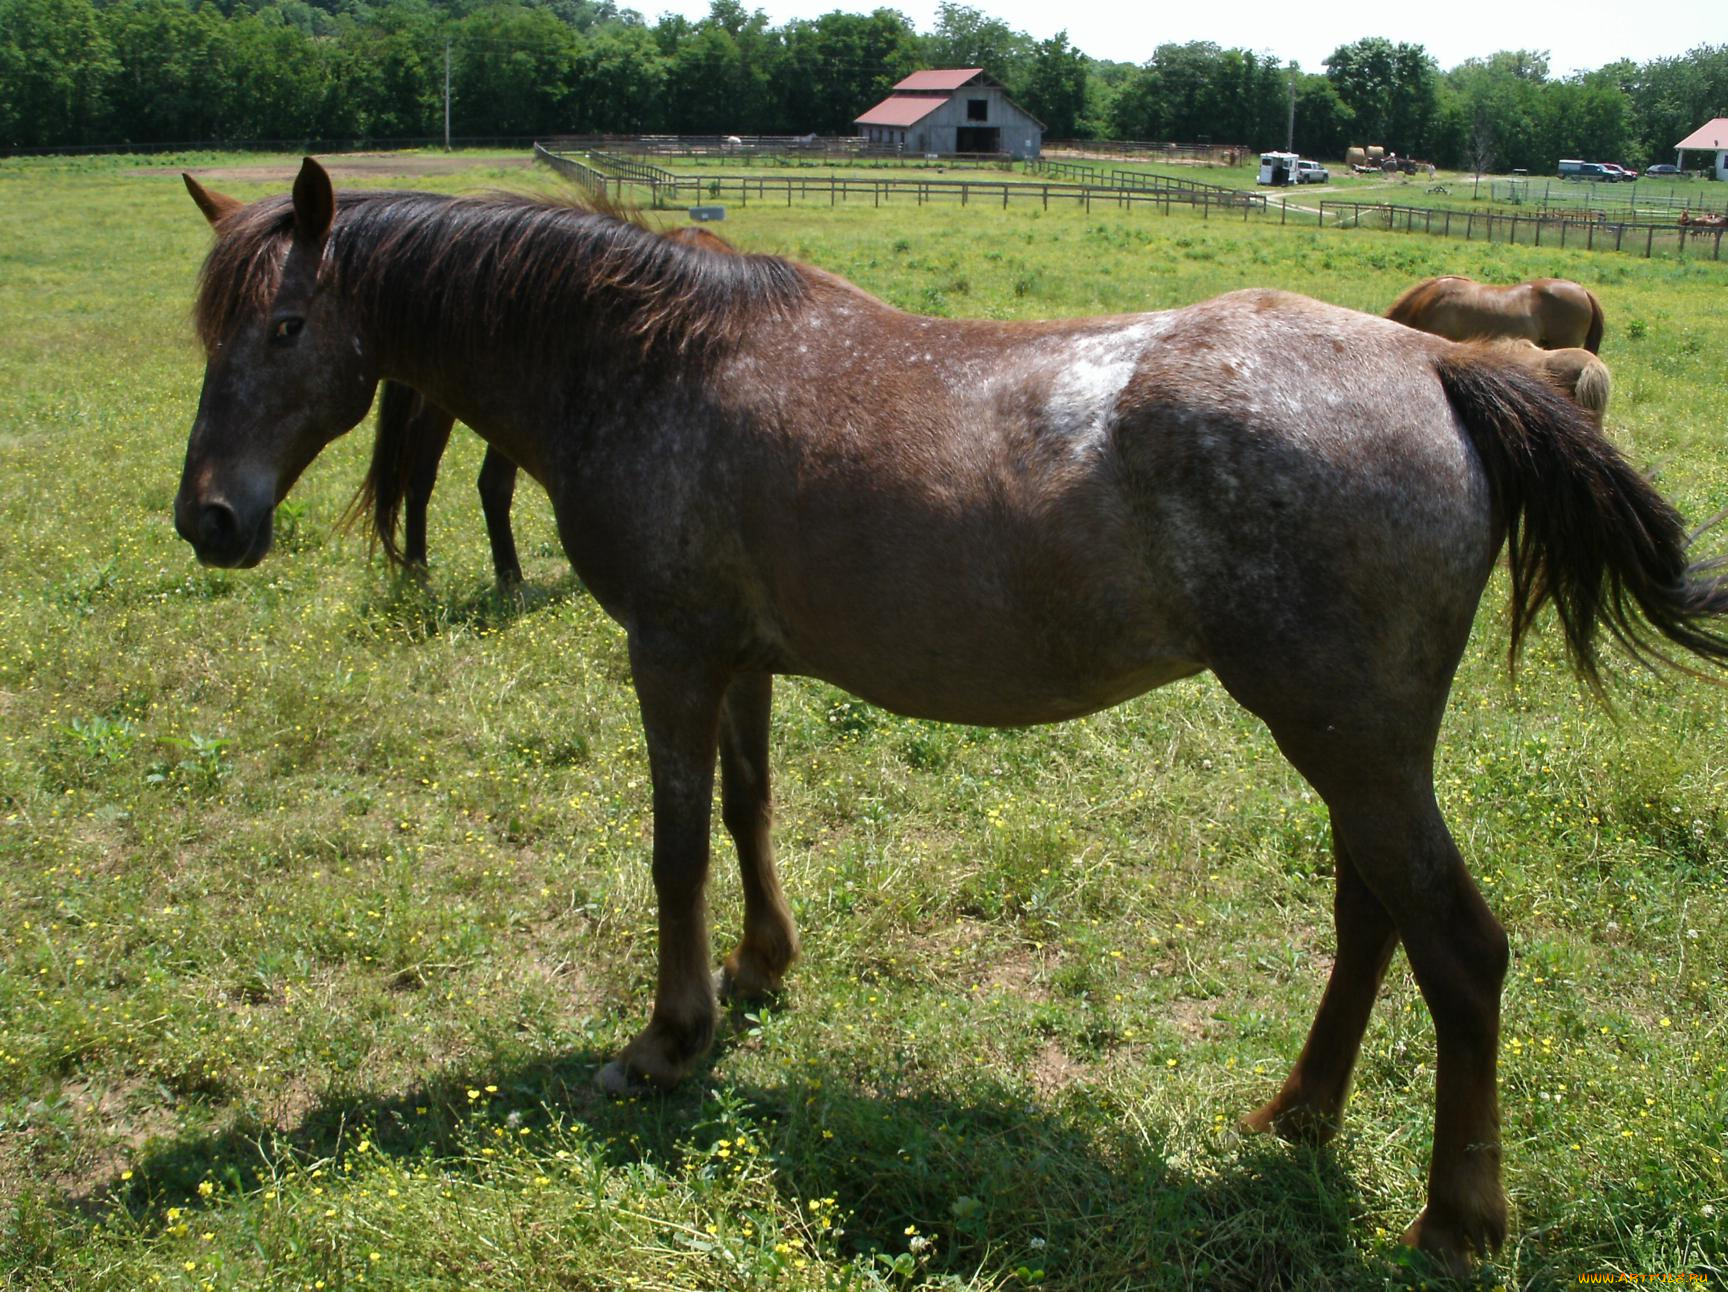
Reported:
(1592, 234)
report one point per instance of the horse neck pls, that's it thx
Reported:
(493, 370)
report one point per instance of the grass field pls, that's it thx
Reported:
(326, 894)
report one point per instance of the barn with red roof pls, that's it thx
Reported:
(952, 110)
(1711, 137)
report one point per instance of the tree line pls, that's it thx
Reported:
(144, 72)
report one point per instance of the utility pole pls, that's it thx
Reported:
(1290, 121)
(446, 94)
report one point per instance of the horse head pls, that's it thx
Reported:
(284, 375)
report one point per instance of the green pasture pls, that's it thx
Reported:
(326, 893)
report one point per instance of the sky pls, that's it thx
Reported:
(1590, 35)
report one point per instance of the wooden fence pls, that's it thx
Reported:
(667, 190)
(1138, 182)
(579, 172)
(1538, 230)
(1143, 150)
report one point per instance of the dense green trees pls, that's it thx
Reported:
(163, 71)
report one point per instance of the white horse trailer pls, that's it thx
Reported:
(1278, 168)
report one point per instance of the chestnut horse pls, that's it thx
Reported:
(1553, 312)
(758, 468)
(412, 434)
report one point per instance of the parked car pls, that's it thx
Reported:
(1665, 168)
(1311, 172)
(1573, 168)
(1615, 171)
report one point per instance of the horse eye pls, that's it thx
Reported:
(287, 329)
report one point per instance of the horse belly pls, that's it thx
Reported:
(991, 628)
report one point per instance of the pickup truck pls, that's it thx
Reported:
(1311, 172)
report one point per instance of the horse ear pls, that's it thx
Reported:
(214, 205)
(314, 203)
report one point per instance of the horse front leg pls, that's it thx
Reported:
(680, 702)
(756, 968)
(1310, 1105)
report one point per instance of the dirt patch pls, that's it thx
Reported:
(1052, 1070)
(117, 1121)
(969, 947)
(362, 167)
(1193, 1018)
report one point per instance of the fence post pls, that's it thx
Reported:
(1649, 241)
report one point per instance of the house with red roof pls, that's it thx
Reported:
(951, 110)
(1711, 137)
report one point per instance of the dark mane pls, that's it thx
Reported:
(480, 273)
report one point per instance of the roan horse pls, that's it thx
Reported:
(1553, 312)
(412, 434)
(758, 468)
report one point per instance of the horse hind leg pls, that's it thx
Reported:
(428, 434)
(1310, 1105)
(1378, 785)
(497, 489)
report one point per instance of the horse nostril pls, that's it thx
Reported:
(217, 527)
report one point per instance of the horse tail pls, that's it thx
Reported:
(1593, 338)
(386, 484)
(1592, 388)
(1583, 528)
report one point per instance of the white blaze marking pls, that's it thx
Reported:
(1096, 368)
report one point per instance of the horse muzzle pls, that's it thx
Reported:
(221, 534)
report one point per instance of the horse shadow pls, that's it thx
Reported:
(408, 605)
(990, 1179)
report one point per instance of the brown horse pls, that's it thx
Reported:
(1574, 371)
(412, 434)
(758, 468)
(1553, 312)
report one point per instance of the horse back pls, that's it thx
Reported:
(1033, 522)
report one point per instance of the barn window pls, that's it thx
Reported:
(977, 109)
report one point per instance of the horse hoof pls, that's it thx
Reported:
(1456, 1246)
(1297, 1123)
(614, 1079)
(733, 988)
